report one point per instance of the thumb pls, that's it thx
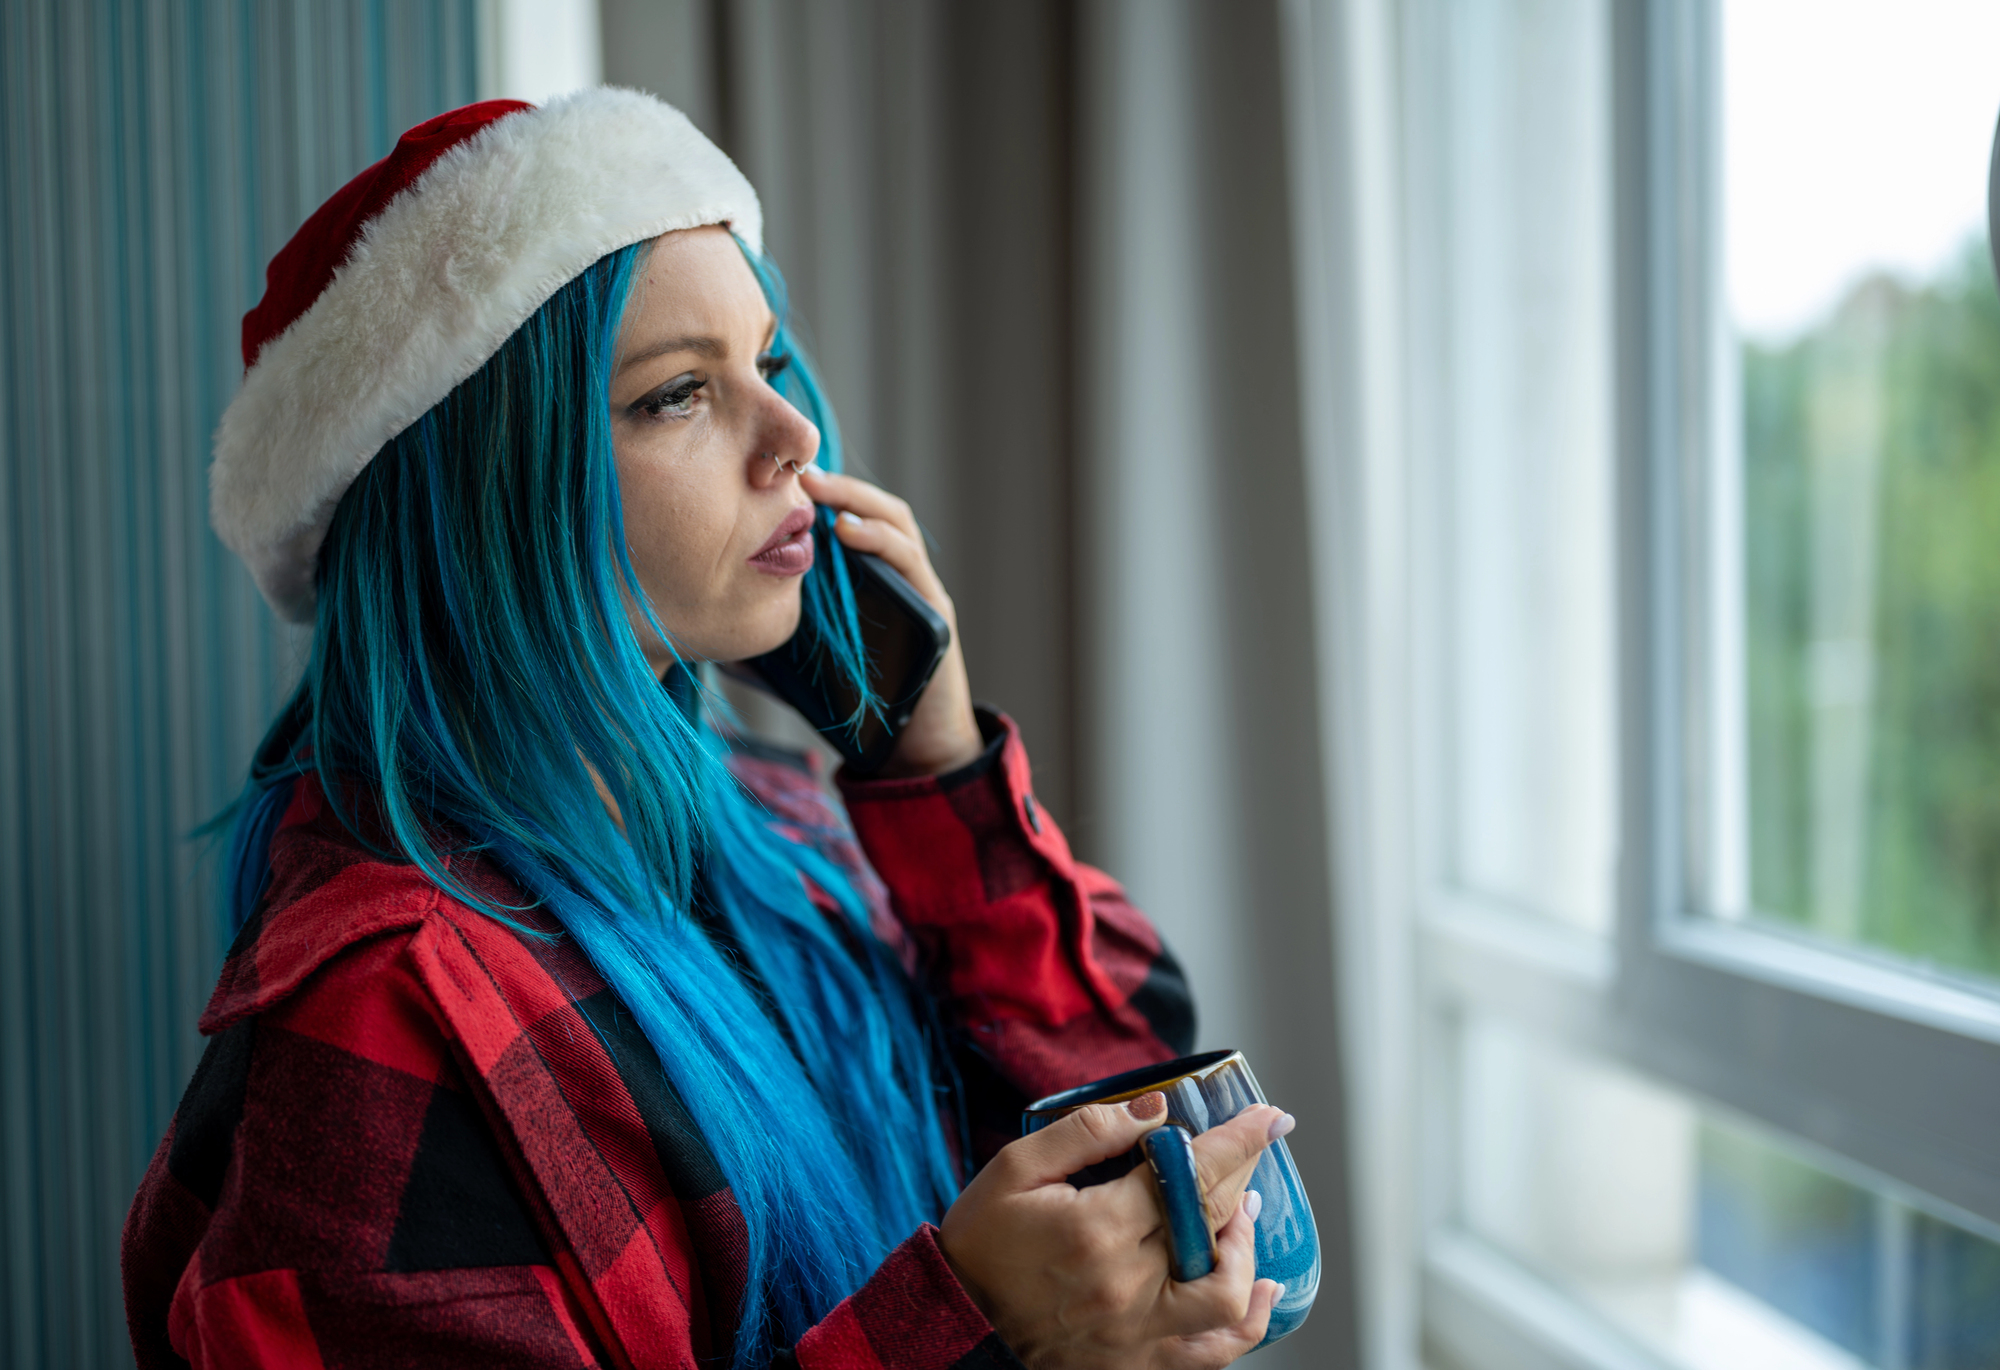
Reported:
(1095, 1132)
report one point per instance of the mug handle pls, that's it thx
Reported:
(1190, 1245)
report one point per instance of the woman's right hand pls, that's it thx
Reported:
(1077, 1279)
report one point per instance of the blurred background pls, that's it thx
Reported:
(1486, 511)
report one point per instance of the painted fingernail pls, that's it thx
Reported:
(1147, 1106)
(851, 520)
(1283, 1125)
(1279, 1295)
(1253, 1204)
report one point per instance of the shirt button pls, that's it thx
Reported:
(1034, 813)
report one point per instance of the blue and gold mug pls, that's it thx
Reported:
(1203, 1092)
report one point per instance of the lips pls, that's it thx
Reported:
(789, 549)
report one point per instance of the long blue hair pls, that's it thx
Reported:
(473, 666)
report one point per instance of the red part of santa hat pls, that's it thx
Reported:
(413, 274)
(305, 266)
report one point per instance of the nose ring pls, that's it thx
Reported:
(793, 466)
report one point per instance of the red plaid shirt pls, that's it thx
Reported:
(417, 1137)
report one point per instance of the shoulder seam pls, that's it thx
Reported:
(301, 955)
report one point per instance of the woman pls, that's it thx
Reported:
(557, 1032)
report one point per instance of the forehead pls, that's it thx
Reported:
(696, 279)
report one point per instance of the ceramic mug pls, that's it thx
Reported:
(1203, 1092)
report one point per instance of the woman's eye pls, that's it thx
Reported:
(674, 400)
(772, 365)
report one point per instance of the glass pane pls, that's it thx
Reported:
(1855, 143)
(1955, 1299)
(1795, 1237)
(1523, 280)
(1716, 1246)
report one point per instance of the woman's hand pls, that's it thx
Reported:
(942, 734)
(1076, 1279)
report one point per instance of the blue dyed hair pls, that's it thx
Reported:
(473, 665)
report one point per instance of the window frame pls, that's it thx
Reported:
(1816, 1041)
(1811, 1040)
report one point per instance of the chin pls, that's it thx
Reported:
(773, 628)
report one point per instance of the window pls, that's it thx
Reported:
(1704, 405)
(1701, 1235)
(1525, 490)
(1859, 293)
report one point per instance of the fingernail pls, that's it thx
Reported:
(1147, 1106)
(1283, 1126)
(1253, 1203)
(851, 520)
(1279, 1295)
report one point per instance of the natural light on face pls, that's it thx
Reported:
(1855, 140)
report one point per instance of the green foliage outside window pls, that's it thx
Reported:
(1871, 475)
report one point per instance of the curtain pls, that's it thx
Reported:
(1053, 257)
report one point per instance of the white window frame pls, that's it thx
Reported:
(1885, 1075)
(1896, 1070)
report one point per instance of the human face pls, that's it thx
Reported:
(718, 530)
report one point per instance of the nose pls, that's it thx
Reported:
(772, 467)
(769, 468)
(788, 442)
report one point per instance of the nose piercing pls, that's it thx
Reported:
(793, 466)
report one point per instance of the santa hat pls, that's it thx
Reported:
(414, 274)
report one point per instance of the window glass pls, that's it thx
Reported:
(1522, 272)
(1717, 1246)
(1862, 310)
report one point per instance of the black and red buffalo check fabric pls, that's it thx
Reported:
(418, 1137)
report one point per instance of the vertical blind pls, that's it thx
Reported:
(152, 157)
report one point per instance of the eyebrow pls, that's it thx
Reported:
(701, 344)
(712, 348)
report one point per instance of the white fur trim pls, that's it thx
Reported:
(439, 280)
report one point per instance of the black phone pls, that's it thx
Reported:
(905, 640)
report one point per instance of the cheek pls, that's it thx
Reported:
(690, 522)
(677, 533)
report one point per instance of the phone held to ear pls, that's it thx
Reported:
(905, 640)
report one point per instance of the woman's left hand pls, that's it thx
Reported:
(942, 734)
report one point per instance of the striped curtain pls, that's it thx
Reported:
(152, 157)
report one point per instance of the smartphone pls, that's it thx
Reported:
(905, 640)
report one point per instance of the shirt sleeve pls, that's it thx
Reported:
(1047, 976)
(911, 1315)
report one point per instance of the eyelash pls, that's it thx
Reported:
(671, 400)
